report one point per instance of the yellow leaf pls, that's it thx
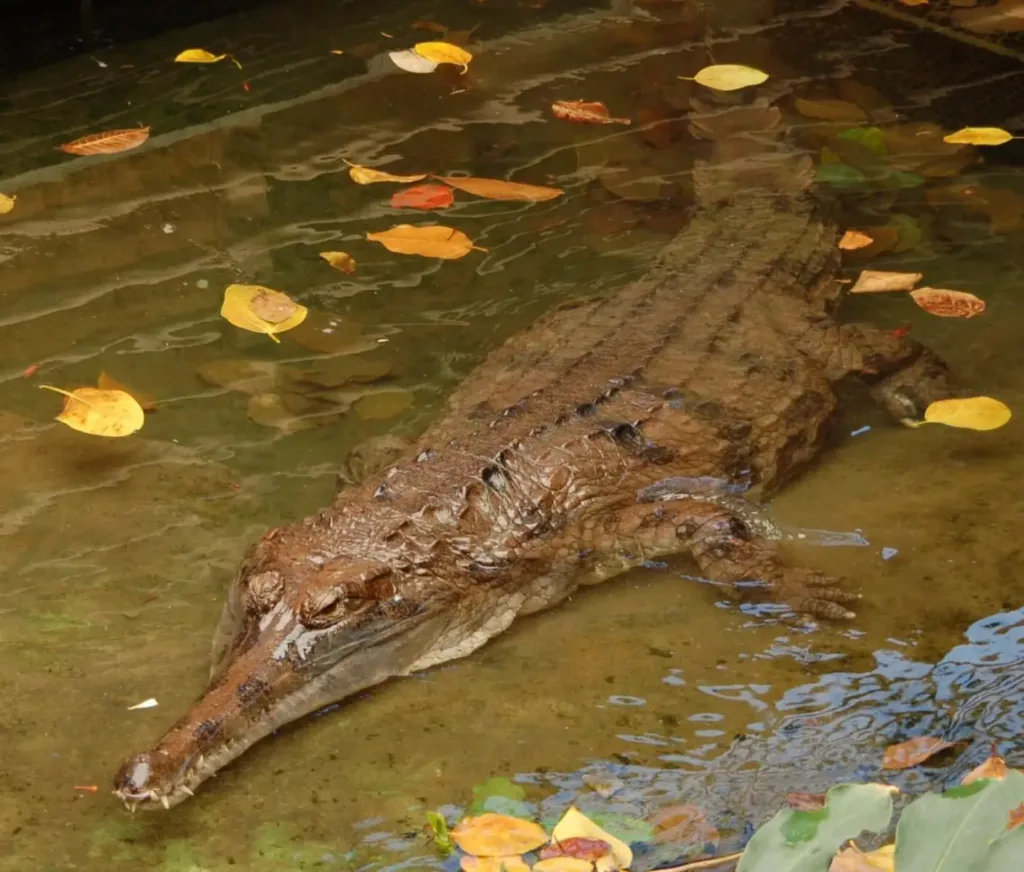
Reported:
(875, 281)
(979, 136)
(972, 413)
(106, 383)
(261, 310)
(576, 825)
(337, 51)
(7, 203)
(100, 413)
(498, 835)
(853, 859)
(729, 77)
(366, 176)
(443, 53)
(512, 863)
(563, 864)
(854, 239)
(340, 260)
(198, 56)
(497, 189)
(432, 240)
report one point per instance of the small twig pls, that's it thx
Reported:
(703, 864)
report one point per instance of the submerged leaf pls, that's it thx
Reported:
(261, 310)
(874, 281)
(585, 112)
(425, 197)
(830, 110)
(432, 240)
(7, 203)
(100, 413)
(948, 304)
(198, 56)
(367, 176)
(685, 824)
(443, 53)
(979, 136)
(498, 835)
(108, 142)
(729, 77)
(340, 260)
(971, 413)
(499, 189)
(916, 750)
(146, 401)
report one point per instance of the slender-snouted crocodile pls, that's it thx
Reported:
(719, 362)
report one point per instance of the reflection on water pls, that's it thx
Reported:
(115, 554)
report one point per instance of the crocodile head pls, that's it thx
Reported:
(291, 640)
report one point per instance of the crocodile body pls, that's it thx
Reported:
(569, 455)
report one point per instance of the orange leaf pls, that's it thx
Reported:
(948, 304)
(1016, 817)
(854, 239)
(340, 260)
(432, 240)
(994, 767)
(582, 112)
(106, 383)
(873, 281)
(913, 751)
(108, 142)
(497, 189)
(498, 835)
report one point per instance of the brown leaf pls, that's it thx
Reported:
(498, 189)
(948, 304)
(854, 239)
(684, 824)
(106, 383)
(1016, 817)
(994, 767)
(580, 848)
(108, 142)
(801, 801)
(830, 110)
(913, 751)
(583, 112)
(875, 281)
(431, 26)
(340, 260)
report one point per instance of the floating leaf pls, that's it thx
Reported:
(874, 281)
(585, 112)
(411, 62)
(853, 859)
(576, 825)
(979, 136)
(511, 863)
(100, 413)
(198, 56)
(854, 239)
(498, 189)
(366, 176)
(563, 864)
(580, 848)
(830, 110)
(425, 197)
(948, 304)
(971, 413)
(261, 310)
(108, 142)
(443, 53)
(106, 383)
(432, 240)
(340, 260)
(994, 767)
(729, 77)
(498, 835)
(6, 203)
(920, 748)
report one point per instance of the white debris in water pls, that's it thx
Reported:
(202, 284)
(168, 228)
(145, 704)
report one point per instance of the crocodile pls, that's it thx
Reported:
(578, 449)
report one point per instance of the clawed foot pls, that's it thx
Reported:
(808, 592)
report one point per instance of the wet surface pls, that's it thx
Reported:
(115, 553)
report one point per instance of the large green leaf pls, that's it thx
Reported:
(1005, 854)
(948, 832)
(805, 841)
(501, 796)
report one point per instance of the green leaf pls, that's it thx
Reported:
(492, 788)
(948, 832)
(1004, 854)
(849, 809)
(839, 175)
(439, 828)
(870, 138)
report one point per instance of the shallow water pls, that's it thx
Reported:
(115, 554)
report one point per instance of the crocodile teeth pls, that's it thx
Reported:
(188, 790)
(165, 802)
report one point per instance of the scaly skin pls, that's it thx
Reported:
(719, 362)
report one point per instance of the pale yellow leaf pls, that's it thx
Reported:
(100, 413)
(498, 835)
(107, 383)
(261, 310)
(367, 176)
(729, 77)
(340, 260)
(7, 203)
(498, 189)
(972, 413)
(198, 56)
(563, 864)
(979, 136)
(852, 859)
(432, 240)
(875, 281)
(511, 863)
(576, 825)
(443, 53)
(854, 239)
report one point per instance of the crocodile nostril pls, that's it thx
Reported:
(134, 774)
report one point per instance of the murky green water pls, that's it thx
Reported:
(115, 554)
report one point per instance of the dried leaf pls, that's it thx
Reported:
(431, 26)
(854, 239)
(830, 110)
(948, 304)
(1016, 817)
(979, 136)
(563, 864)
(971, 413)
(340, 260)
(243, 305)
(100, 413)
(411, 62)
(853, 859)
(916, 750)
(683, 824)
(498, 189)
(367, 176)
(7, 203)
(108, 142)
(498, 835)
(425, 197)
(994, 768)
(574, 824)
(801, 801)
(146, 401)
(584, 112)
(512, 863)
(198, 56)
(729, 77)
(433, 240)
(444, 53)
(874, 281)
(580, 848)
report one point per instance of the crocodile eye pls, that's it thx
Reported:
(263, 590)
(322, 608)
